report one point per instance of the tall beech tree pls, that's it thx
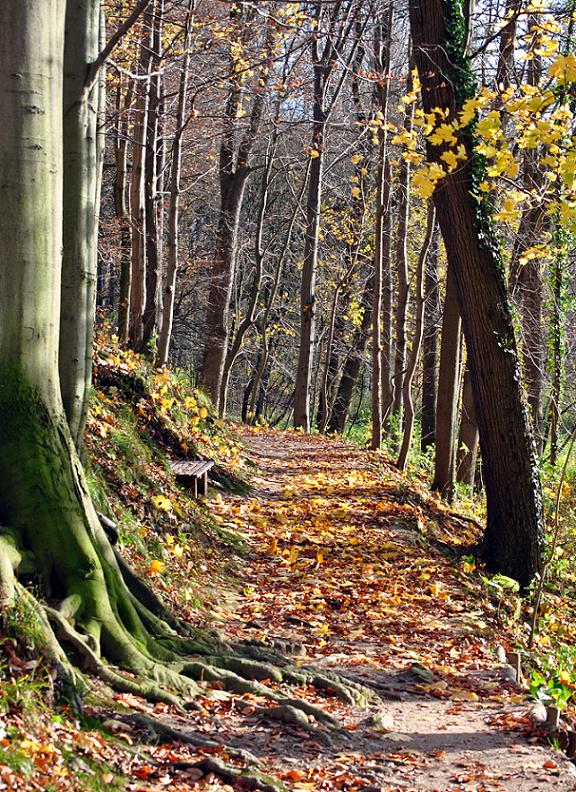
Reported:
(513, 538)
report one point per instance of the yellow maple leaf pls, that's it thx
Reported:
(443, 134)
(423, 185)
(450, 159)
(155, 567)
(564, 68)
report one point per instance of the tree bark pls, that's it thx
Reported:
(468, 438)
(513, 538)
(432, 318)
(172, 242)
(408, 402)
(448, 392)
(81, 199)
(381, 397)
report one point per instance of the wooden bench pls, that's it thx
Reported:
(189, 472)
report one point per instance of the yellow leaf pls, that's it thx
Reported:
(450, 159)
(564, 68)
(155, 567)
(203, 412)
(162, 502)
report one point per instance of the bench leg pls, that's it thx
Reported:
(205, 484)
(195, 487)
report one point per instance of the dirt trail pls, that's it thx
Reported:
(341, 573)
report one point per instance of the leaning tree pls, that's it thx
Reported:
(512, 543)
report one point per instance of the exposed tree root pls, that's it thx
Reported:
(164, 658)
(233, 775)
(162, 730)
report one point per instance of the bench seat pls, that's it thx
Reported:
(189, 472)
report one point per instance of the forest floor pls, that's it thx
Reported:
(342, 564)
(342, 572)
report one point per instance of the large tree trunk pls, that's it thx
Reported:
(44, 497)
(513, 539)
(81, 199)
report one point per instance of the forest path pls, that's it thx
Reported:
(341, 573)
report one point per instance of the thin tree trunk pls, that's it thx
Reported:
(416, 343)
(122, 211)
(174, 200)
(468, 437)
(153, 186)
(556, 352)
(432, 318)
(382, 297)
(448, 392)
(137, 202)
(402, 274)
(342, 30)
(308, 285)
(234, 170)
(526, 281)
(353, 365)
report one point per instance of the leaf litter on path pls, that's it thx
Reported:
(340, 566)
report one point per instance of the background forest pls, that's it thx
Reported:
(260, 156)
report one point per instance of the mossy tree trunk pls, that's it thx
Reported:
(44, 502)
